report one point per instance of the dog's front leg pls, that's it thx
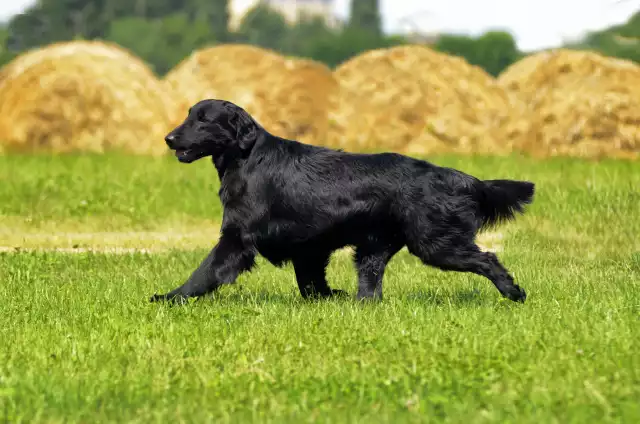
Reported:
(226, 261)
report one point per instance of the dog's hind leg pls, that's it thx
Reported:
(469, 258)
(371, 261)
(226, 261)
(310, 270)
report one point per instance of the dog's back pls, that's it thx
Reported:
(328, 180)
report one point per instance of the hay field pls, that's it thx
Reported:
(90, 96)
(81, 344)
(574, 103)
(288, 96)
(82, 96)
(411, 99)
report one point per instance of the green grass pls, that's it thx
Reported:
(80, 343)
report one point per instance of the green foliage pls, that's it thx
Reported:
(309, 37)
(216, 14)
(262, 26)
(621, 41)
(162, 42)
(29, 29)
(336, 47)
(5, 54)
(68, 19)
(304, 36)
(494, 51)
(57, 20)
(163, 32)
(631, 28)
(365, 16)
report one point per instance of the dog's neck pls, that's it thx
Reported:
(233, 158)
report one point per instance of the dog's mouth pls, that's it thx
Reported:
(189, 155)
(181, 152)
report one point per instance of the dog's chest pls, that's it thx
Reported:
(232, 189)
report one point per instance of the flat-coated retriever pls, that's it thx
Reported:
(290, 201)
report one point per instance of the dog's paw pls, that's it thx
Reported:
(516, 294)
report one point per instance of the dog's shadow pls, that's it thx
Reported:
(467, 297)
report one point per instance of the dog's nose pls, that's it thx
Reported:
(170, 139)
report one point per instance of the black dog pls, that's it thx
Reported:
(289, 201)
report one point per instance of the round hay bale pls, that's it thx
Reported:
(582, 123)
(554, 69)
(412, 99)
(82, 96)
(575, 103)
(288, 96)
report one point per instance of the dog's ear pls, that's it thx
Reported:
(245, 128)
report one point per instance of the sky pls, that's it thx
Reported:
(535, 24)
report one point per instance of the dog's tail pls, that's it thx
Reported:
(500, 200)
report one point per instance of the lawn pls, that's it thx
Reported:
(85, 240)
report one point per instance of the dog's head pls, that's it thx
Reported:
(213, 127)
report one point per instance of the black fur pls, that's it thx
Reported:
(289, 201)
(500, 200)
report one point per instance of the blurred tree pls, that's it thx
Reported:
(459, 45)
(493, 51)
(73, 18)
(262, 26)
(56, 20)
(6, 55)
(304, 35)
(365, 16)
(336, 47)
(143, 8)
(161, 42)
(216, 12)
(164, 31)
(4, 36)
(311, 37)
(621, 41)
(631, 28)
(28, 29)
